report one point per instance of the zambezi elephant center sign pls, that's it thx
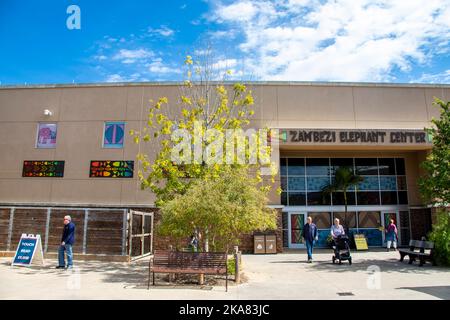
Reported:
(354, 137)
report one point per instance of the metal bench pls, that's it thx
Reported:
(418, 249)
(188, 262)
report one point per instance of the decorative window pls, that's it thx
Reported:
(111, 169)
(49, 168)
(114, 134)
(46, 135)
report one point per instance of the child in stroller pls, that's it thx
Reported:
(341, 249)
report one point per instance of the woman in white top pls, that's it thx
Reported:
(337, 229)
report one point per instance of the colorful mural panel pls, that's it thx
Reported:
(53, 169)
(111, 169)
(114, 134)
(46, 137)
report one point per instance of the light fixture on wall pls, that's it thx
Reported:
(48, 113)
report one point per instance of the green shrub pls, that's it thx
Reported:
(441, 238)
(231, 266)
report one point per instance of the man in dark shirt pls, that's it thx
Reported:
(309, 235)
(67, 240)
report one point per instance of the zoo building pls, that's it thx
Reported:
(66, 151)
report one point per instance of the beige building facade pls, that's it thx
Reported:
(376, 129)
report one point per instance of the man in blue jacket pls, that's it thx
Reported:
(309, 235)
(67, 240)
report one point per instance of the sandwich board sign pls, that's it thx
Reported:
(29, 251)
(361, 242)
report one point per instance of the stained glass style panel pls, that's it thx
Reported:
(297, 223)
(111, 169)
(49, 169)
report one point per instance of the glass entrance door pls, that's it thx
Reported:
(387, 216)
(296, 223)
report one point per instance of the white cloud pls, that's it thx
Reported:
(163, 31)
(225, 64)
(342, 40)
(157, 66)
(119, 78)
(124, 54)
(442, 77)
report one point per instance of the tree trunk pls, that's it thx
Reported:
(201, 276)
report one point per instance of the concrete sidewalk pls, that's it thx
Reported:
(373, 275)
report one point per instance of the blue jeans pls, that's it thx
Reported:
(309, 248)
(69, 253)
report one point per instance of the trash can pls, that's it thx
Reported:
(259, 244)
(271, 243)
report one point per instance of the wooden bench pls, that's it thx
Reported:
(418, 249)
(188, 262)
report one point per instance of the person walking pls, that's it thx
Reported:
(309, 235)
(67, 241)
(391, 235)
(193, 243)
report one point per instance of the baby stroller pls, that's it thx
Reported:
(341, 249)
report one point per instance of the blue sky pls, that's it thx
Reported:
(291, 40)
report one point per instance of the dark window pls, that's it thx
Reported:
(283, 183)
(285, 217)
(318, 199)
(338, 199)
(388, 197)
(283, 167)
(366, 166)
(387, 166)
(368, 198)
(337, 163)
(317, 166)
(400, 164)
(402, 197)
(296, 166)
(284, 198)
(401, 183)
(296, 183)
(317, 183)
(297, 198)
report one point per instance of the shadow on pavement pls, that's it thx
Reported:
(386, 265)
(441, 292)
(132, 275)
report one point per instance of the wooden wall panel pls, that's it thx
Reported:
(4, 228)
(30, 221)
(104, 232)
(56, 226)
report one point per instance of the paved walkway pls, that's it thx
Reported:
(373, 275)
